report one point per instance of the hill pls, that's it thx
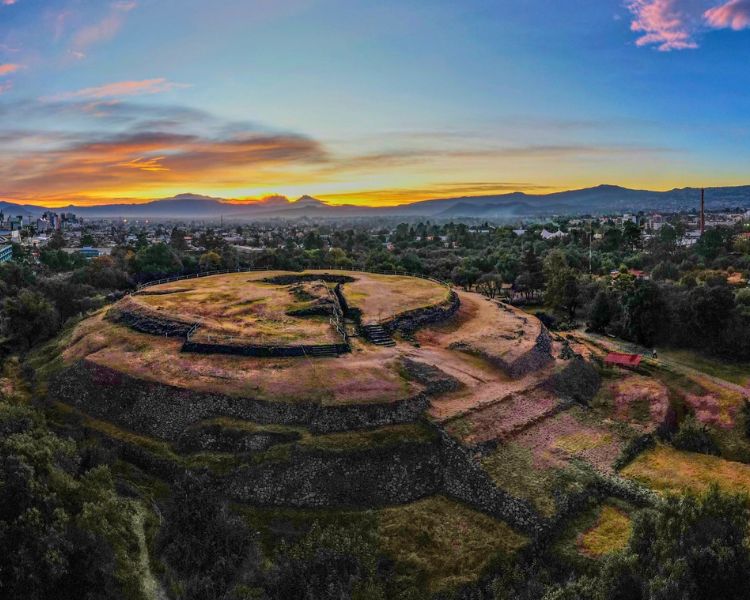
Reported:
(603, 199)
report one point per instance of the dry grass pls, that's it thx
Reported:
(240, 305)
(449, 542)
(718, 406)
(668, 470)
(610, 533)
(361, 378)
(380, 297)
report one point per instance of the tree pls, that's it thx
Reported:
(490, 284)
(531, 278)
(600, 313)
(210, 261)
(631, 235)
(67, 531)
(56, 241)
(157, 260)
(644, 312)
(561, 292)
(665, 270)
(29, 318)
(177, 240)
(691, 548)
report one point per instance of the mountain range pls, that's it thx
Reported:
(603, 199)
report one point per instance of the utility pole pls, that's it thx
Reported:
(591, 235)
(703, 211)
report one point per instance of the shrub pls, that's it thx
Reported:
(693, 436)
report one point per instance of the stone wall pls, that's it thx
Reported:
(145, 321)
(213, 437)
(258, 350)
(465, 480)
(412, 320)
(303, 277)
(165, 411)
(313, 478)
(537, 357)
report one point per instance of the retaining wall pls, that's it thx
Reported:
(145, 321)
(411, 320)
(262, 351)
(165, 411)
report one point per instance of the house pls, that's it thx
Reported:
(547, 235)
(637, 273)
(626, 361)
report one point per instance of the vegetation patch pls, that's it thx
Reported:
(610, 533)
(450, 543)
(411, 433)
(669, 470)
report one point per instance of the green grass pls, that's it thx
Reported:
(448, 542)
(738, 373)
(513, 470)
(380, 437)
(602, 528)
(276, 524)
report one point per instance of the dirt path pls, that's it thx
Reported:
(484, 384)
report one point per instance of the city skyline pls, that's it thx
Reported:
(125, 101)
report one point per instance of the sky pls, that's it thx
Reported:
(362, 102)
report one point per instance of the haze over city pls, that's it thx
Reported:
(368, 103)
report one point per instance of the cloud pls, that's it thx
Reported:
(668, 24)
(8, 68)
(735, 14)
(9, 2)
(6, 87)
(119, 89)
(37, 163)
(677, 24)
(103, 30)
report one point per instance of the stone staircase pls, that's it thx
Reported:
(323, 351)
(378, 335)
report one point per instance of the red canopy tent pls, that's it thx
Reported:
(628, 361)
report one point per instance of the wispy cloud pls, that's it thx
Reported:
(104, 29)
(8, 68)
(8, 2)
(677, 24)
(735, 14)
(120, 89)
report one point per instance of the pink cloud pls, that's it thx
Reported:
(9, 2)
(676, 24)
(103, 30)
(735, 14)
(8, 68)
(120, 89)
(668, 24)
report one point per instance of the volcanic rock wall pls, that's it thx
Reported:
(164, 411)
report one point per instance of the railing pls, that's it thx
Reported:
(403, 273)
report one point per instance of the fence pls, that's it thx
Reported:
(258, 269)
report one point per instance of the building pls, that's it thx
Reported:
(627, 361)
(547, 235)
(6, 253)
